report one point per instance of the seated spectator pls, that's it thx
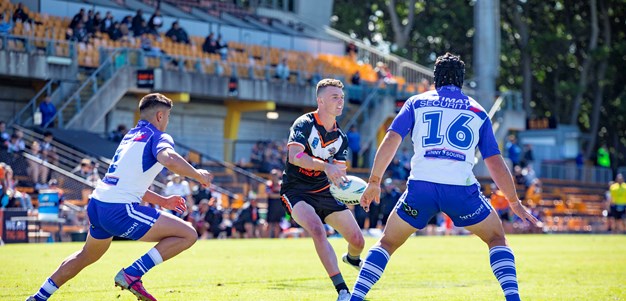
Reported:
(177, 34)
(87, 170)
(80, 34)
(16, 145)
(21, 146)
(221, 47)
(22, 200)
(128, 21)
(178, 186)
(501, 204)
(48, 150)
(37, 171)
(383, 74)
(125, 34)
(534, 193)
(156, 21)
(209, 45)
(6, 26)
(77, 18)
(4, 135)
(119, 133)
(247, 220)
(282, 70)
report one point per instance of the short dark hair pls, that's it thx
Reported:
(47, 134)
(327, 82)
(449, 70)
(154, 100)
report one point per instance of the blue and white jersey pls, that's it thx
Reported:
(446, 127)
(134, 165)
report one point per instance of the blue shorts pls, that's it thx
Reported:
(465, 205)
(118, 219)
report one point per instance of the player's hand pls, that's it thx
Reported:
(371, 193)
(336, 174)
(205, 177)
(176, 203)
(522, 212)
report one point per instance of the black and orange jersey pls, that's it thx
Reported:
(330, 146)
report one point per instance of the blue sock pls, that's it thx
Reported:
(503, 267)
(144, 264)
(47, 289)
(373, 267)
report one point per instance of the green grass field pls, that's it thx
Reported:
(550, 267)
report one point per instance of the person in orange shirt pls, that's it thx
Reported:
(501, 204)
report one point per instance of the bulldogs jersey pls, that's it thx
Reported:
(330, 146)
(446, 127)
(134, 165)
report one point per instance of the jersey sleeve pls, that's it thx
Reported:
(405, 120)
(487, 142)
(162, 142)
(299, 131)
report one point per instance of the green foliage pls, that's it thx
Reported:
(550, 267)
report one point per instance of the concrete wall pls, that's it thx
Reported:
(34, 66)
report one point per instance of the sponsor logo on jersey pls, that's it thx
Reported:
(315, 142)
(474, 214)
(442, 153)
(130, 230)
(308, 172)
(409, 210)
(332, 150)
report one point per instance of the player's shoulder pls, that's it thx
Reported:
(305, 118)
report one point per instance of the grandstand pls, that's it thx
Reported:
(222, 97)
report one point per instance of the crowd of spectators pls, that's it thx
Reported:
(268, 155)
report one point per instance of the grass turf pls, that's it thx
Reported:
(549, 267)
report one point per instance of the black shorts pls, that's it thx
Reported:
(322, 202)
(617, 211)
(275, 211)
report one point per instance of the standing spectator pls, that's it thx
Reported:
(354, 144)
(107, 22)
(138, 23)
(604, 157)
(275, 210)
(527, 157)
(156, 21)
(20, 15)
(128, 21)
(617, 192)
(37, 171)
(95, 24)
(513, 150)
(178, 186)
(48, 110)
(77, 18)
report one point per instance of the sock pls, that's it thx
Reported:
(354, 260)
(372, 269)
(144, 264)
(47, 289)
(339, 283)
(503, 266)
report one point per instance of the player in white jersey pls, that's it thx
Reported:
(446, 126)
(114, 207)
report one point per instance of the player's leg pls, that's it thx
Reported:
(501, 256)
(305, 216)
(72, 265)
(343, 221)
(396, 232)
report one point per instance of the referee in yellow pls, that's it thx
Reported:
(618, 204)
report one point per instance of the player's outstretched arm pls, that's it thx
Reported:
(504, 180)
(336, 173)
(177, 164)
(384, 155)
(173, 202)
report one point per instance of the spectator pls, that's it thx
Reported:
(247, 220)
(156, 21)
(527, 156)
(95, 24)
(282, 70)
(87, 170)
(20, 15)
(80, 34)
(222, 48)
(356, 78)
(128, 21)
(178, 186)
(119, 133)
(388, 199)
(533, 193)
(88, 22)
(138, 23)
(354, 144)
(423, 86)
(352, 50)
(78, 18)
(604, 157)
(114, 31)
(37, 171)
(125, 34)
(10, 189)
(617, 193)
(48, 110)
(198, 218)
(209, 45)
(501, 204)
(15, 147)
(19, 143)
(177, 34)
(214, 218)
(4, 135)
(513, 150)
(6, 26)
(383, 74)
(48, 150)
(107, 22)
(275, 210)
(203, 193)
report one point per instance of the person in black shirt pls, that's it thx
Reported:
(317, 154)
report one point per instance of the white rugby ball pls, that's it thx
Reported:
(349, 193)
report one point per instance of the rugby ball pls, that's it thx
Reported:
(349, 193)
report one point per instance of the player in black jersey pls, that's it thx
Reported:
(317, 154)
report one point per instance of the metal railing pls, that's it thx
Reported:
(568, 171)
(25, 115)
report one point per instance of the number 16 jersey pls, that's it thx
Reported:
(446, 126)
